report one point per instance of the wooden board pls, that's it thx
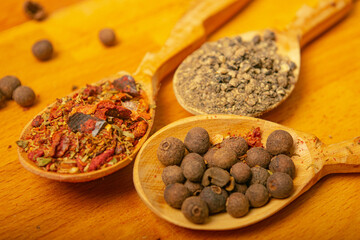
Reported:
(325, 102)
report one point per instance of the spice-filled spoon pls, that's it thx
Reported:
(245, 74)
(313, 160)
(99, 129)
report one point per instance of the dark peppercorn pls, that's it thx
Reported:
(282, 163)
(171, 151)
(279, 142)
(237, 144)
(34, 10)
(279, 185)
(223, 158)
(175, 194)
(2, 99)
(43, 50)
(258, 156)
(215, 197)
(8, 84)
(195, 210)
(197, 140)
(24, 96)
(209, 155)
(259, 175)
(257, 194)
(193, 187)
(193, 167)
(172, 174)
(237, 205)
(241, 172)
(107, 37)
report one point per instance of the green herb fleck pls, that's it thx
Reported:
(22, 143)
(42, 161)
(128, 134)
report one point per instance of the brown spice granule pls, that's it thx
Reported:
(233, 76)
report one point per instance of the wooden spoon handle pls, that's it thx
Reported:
(342, 157)
(187, 35)
(311, 22)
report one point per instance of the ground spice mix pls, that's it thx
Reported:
(92, 129)
(232, 76)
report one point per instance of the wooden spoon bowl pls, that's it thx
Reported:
(188, 34)
(312, 159)
(308, 24)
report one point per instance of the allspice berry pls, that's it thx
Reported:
(172, 174)
(107, 37)
(257, 194)
(175, 194)
(171, 151)
(195, 210)
(24, 96)
(279, 142)
(223, 158)
(8, 84)
(34, 10)
(193, 167)
(237, 205)
(43, 50)
(282, 163)
(194, 187)
(215, 197)
(258, 156)
(280, 185)
(259, 175)
(241, 172)
(237, 144)
(197, 140)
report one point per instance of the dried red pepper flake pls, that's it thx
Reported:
(253, 138)
(117, 116)
(126, 84)
(38, 120)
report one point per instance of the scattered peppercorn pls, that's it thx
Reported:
(8, 84)
(259, 175)
(257, 195)
(215, 197)
(107, 37)
(223, 158)
(197, 140)
(279, 142)
(172, 174)
(24, 96)
(43, 50)
(282, 163)
(237, 144)
(34, 10)
(74, 87)
(194, 187)
(237, 205)
(279, 185)
(258, 156)
(171, 151)
(195, 210)
(193, 167)
(175, 194)
(241, 172)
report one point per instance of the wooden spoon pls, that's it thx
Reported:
(308, 24)
(188, 34)
(312, 159)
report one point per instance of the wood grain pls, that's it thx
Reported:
(324, 102)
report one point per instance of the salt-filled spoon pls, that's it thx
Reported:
(187, 35)
(312, 158)
(199, 89)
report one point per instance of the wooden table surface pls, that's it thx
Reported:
(325, 102)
